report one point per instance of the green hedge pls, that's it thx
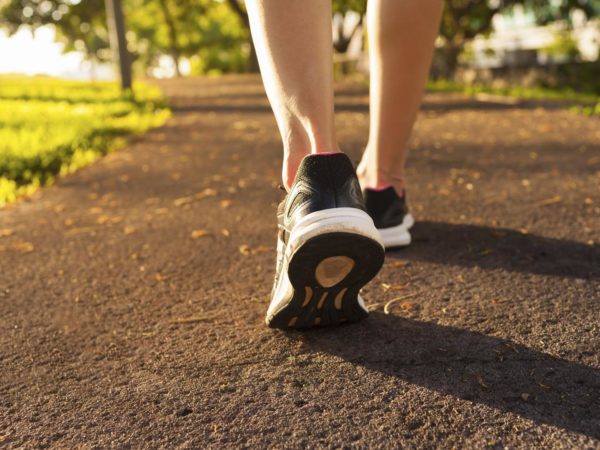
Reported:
(51, 127)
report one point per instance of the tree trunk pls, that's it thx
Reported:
(252, 65)
(118, 42)
(451, 53)
(172, 35)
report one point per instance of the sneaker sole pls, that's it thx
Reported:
(398, 236)
(326, 270)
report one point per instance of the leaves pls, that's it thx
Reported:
(18, 247)
(551, 201)
(6, 232)
(199, 233)
(183, 201)
(208, 192)
(129, 230)
(246, 250)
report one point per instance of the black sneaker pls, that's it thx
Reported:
(390, 214)
(328, 247)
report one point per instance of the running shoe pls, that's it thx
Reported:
(328, 247)
(390, 215)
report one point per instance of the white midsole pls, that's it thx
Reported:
(335, 220)
(398, 235)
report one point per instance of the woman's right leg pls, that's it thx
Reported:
(293, 42)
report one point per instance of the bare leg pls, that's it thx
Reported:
(293, 42)
(401, 37)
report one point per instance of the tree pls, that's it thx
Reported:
(118, 41)
(205, 32)
(80, 26)
(170, 22)
(342, 36)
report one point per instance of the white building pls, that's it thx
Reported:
(517, 40)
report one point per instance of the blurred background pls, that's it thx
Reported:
(527, 48)
(546, 42)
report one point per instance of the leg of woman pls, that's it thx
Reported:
(328, 246)
(401, 34)
(293, 42)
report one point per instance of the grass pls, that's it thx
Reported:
(51, 127)
(590, 101)
(537, 93)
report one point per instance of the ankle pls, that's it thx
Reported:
(291, 162)
(379, 178)
(293, 158)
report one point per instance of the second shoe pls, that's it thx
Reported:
(390, 213)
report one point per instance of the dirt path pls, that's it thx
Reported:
(132, 294)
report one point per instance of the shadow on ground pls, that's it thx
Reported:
(470, 366)
(340, 106)
(500, 248)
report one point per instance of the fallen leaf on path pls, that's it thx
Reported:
(158, 276)
(161, 211)
(95, 210)
(73, 231)
(21, 247)
(199, 233)
(183, 201)
(393, 287)
(551, 201)
(193, 319)
(398, 264)
(104, 219)
(69, 222)
(225, 232)
(208, 192)
(225, 203)
(129, 229)
(525, 396)
(6, 232)
(244, 249)
(407, 306)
